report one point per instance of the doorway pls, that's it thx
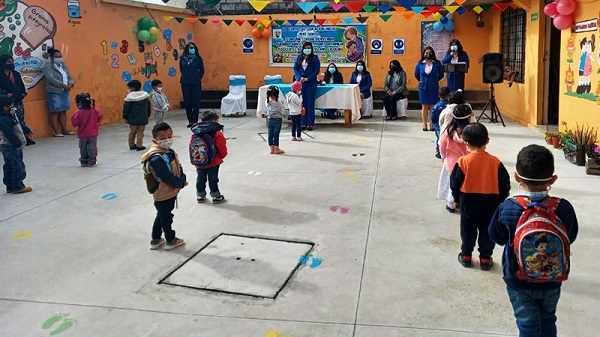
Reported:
(551, 74)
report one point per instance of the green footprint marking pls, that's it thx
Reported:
(66, 323)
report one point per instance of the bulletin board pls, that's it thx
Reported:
(439, 41)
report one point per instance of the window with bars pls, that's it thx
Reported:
(512, 44)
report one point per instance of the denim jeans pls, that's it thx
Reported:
(164, 219)
(14, 168)
(535, 311)
(212, 175)
(437, 139)
(296, 125)
(274, 128)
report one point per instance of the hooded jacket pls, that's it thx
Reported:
(214, 130)
(11, 133)
(136, 108)
(170, 181)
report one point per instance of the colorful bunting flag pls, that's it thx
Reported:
(407, 3)
(434, 9)
(348, 20)
(486, 7)
(191, 20)
(292, 22)
(227, 22)
(279, 22)
(167, 18)
(320, 21)
(265, 23)
(240, 22)
(460, 2)
(287, 2)
(321, 5)
(461, 10)
(477, 9)
(355, 6)
(408, 14)
(384, 9)
(252, 22)
(336, 7)
(203, 21)
(426, 13)
(306, 6)
(362, 19)
(179, 19)
(307, 22)
(258, 5)
(369, 9)
(385, 17)
(334, 21)
(437, 16)
(399, 9)
(337, 1)
(215, 21)
(418, 9)
(451, 9)
(501, 5)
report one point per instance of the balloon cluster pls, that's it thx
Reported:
(261, 30)
(563, 13)
(146, 30)
(444, 23)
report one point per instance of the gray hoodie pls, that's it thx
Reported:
(275, 110)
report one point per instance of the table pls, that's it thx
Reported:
(329, 96)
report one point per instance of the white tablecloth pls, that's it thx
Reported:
(330, 96)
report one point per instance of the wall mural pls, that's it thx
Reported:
(582, 77)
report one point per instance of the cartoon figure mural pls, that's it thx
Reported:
(585, 64)
(355, 49)
(569, 79)
(73, 8)
(570, 48)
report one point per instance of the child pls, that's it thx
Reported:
(211, 127)
(12, 140)
(87, 119)
(479, 183)
(452, 147)
(443, 93)
(136, 111)
(171, 179)
(294, 101)
(456, 98)
(534, 304)
(274, 114)
(160, 101)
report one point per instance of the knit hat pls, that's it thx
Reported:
(296, 86)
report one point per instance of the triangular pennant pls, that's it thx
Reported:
(252, 22)
(336, 7)
(321, 5)
(384, 9)
(320, 21)
(266, 23)
(334, 21)
(407, 3)
(179, 19)
(362, 19)
(451, 9)
(348, 20)
(437, 16)
(258, 5)
(240, 22)
(209, 3)
(292, 22)
(307, 21)
(434, 9)
(409, 14)
(514, 5)
(167, 18)
(399, 9)
(227, 22)
(477, 9)
(203, 21)
(501, 5)
(288, 2)
(355, 6)
(191, 20)
(461, 10)
(460, 2)
(486, 7)
(385, 17)
(426, 13)
(418, 9)
(306, 7)
(279, 22)
(337, 1)
(215, 21)
(369, 9)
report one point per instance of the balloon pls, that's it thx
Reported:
(550, 9)
(438, 26)
(256, 33)
(563, 22)
(266, 33)
(153, 30)
(444, 20)
(152, 39)
(566, 7)
(153, 24)
(144, 24)
(449, 16)
(450, 26)
(260, 27)
(143, 35)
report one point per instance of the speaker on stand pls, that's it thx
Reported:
(493, 64)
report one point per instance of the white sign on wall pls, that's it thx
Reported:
(399, 47)
(376, 46)
(248, 45)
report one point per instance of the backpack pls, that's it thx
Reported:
(541, 243)
(202, 150)
(152, 182)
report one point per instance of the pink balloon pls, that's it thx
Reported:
(563, 22)
(566, 7)
(550, 9)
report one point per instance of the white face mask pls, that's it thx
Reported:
(158, 89)
(165, 143)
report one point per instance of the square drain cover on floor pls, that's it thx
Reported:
(242, 265)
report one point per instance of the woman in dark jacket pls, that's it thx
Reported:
(12, 84)
(429, 71)
(306, 68)
(456, 54)
(191, 67)
(363, 78)
(332, 76)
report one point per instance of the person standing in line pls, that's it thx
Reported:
(191, 67)
(306, 68)
(160, 103)
(429, 71)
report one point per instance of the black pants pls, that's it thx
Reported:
(469, 226)
(191, 99)
(164, 219)
(389, 102)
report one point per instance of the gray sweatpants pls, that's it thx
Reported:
(88, 151)
(159, 116)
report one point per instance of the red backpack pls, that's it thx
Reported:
(541, 243)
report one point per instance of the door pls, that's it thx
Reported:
(551, 74)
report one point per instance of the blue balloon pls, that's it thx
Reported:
(444, 20)
(126, 76)
(148, 86)
(449, 16)
(437, 26)
(172, 71)
(450, 26)
(167, 34)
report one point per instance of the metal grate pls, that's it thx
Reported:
(512, 44)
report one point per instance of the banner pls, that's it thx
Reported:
(343, 45)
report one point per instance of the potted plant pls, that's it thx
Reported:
(593, 163)
(578, 142)
(548, 137)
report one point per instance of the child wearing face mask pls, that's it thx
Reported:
(294, 101)
(86, 120)
(12, 140)
(136, 111)
(160, 103)
(164, 165)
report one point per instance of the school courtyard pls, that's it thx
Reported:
(361, 202)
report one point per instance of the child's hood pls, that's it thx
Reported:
(206, 127)
(136, 96)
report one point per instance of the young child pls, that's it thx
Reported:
(136, 111)
(171, 179)
(443, 93)
(534, 304)
(456, 98)
(86, 120)
(211, 127)
(294, 101)
(12, 140)
(275, 111)
(479, 183)
(160, 103)
(452, 147)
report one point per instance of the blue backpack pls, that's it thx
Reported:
(152, 182)
(202, 150)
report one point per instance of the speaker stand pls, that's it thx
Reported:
(494, 112)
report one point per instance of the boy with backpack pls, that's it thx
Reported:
(208, 147)
(443, 94)
(537, 231)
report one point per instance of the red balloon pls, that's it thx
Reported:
(563, 22)
(256, 33)
(550, 10)
(566, 7)
(266, 33)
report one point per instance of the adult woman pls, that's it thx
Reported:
(429, 71)
(12, 84)
(306, 68)
(332, 76)
(58, 85)
(191, 67)
(363, 78)
(456, 54)
(395, 89)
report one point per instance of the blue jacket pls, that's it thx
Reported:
(463, 57)
(191, 68)
(436, 111)
(311, 72)
(436, 74)
(365, 83)
(502, 231)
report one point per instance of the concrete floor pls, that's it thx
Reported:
(75, 264)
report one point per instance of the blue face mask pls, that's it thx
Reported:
(360, 68)
(539, 195)
(332, 70)
(192, 51)
(307, 51)
(58, 60)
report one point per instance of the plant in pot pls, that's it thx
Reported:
(549, 135)
(582, 138)
(593, 163)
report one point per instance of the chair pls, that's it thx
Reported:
(367, 106)
(234, 104)
(401, 107)
(273, 79)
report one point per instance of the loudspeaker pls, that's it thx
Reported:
(492, 68)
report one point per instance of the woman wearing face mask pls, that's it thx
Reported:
(456, 54)
(12, 84)
(429, 71)
(395, 89)
(191, 67)
(58, 85)
(363, 78)
(332, 76)
(306, 68)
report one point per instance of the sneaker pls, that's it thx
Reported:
(219, 199)
(486, 263)
(69, 133)
(310, 128)
(92, 165)
(438, 156)
(29, 142)
(451, 210)
(133, 147)
(200, 200)
(174, 244)
(57, 135)
(23, 190)
(155, 244)
(465, 260)
(141, 148)
(189, 125)
(9, 191)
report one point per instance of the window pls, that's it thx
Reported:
(512, 44)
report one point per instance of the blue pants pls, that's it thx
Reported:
(191, 99)
(309, 95)
(274, 128)
(535, 311)
(212, 176)
(437, 139)
(14, 168)
(456, 81)
(296, 126)
(164, 219)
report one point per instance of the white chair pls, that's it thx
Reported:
(273, 79)
(234, 104)
(366, 108)
(401, 107)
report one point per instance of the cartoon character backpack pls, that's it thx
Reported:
(202, 150)
(541, 243)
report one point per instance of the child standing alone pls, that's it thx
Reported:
(136, 111)
(294, 101)
(160, 103)
(12, 140)
(86, 120)
(275, 115)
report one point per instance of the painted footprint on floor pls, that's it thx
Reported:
(362, 140)
(351, 175)
(342, 210)
(316, 262)
(52, 321)
(273, 333)
(304, 259)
